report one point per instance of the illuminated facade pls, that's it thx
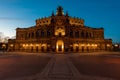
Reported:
(59, 33)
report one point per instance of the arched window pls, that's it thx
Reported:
(60, 31)
(87, 35)
(77, 34)
(21, 36)
(32, 35)
(42, 34)
(38, 33)
(48, 33)
(82, 34)
(28, 35)
(90, 35)
(71, 34)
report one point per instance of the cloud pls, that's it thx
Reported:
(1, 33)
(14, 19)
(9, 18)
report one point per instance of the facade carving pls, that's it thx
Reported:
(59, 33)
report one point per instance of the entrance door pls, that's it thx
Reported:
(60, 46)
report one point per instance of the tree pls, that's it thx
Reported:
(1, 37)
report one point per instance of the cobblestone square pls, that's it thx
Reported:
(49, 66)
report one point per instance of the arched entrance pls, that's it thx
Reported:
(60, 46)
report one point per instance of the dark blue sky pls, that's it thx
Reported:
(96, 13)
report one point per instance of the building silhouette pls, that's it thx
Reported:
(59, 33)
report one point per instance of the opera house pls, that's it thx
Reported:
(59, 33)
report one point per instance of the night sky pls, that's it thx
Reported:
(96, 13)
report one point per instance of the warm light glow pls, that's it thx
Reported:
(88, 44)
(31, 44)
(82, 44)
(26, 45)
(11, 45)
(23, 45)
(3, 46)
(116, 45)
(92, 44)
(58, 44)
(70, 45)
(108, 45)
(43, 44)
(58, 31)
(62, 46)
(48, 45)
(37, 45)
(95, 45)
(75, 44)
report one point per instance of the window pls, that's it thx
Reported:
(82, 34)
(60, 31)
(32, 34)
(77, 34)
(90, 35)
(29, 35)
(59, 34)
(71, 34)
(42, 34)
(87, 35)
(48, 34)
(38, 33)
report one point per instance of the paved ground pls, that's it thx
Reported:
(16, 66)
(61, 67)
(104, 65)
